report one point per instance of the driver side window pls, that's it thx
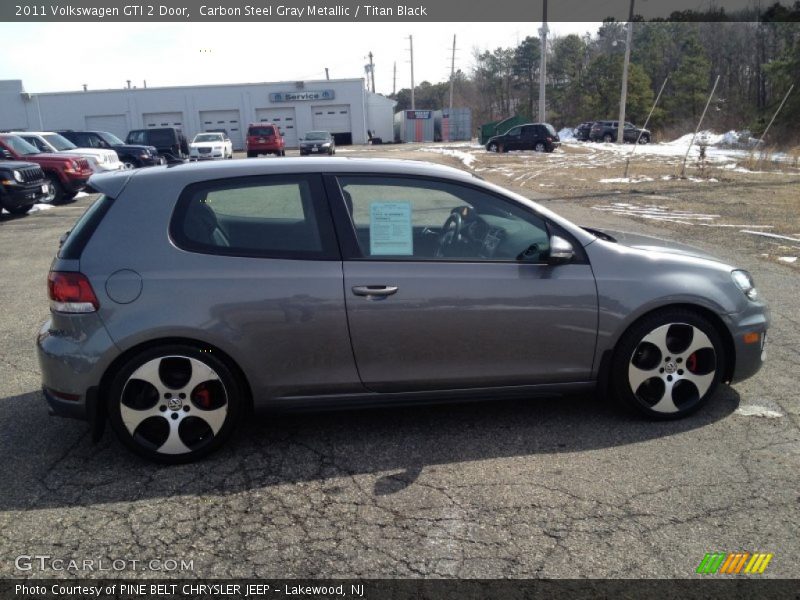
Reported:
(420, 219)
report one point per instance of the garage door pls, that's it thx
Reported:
(335, 119)
(168, 119)
(224, 119)
(116, 124)
(284, 119)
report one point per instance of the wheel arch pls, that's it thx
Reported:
(116, 364)
(718, 323)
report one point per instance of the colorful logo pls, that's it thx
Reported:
(734, 563)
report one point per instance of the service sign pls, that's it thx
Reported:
(300, 96)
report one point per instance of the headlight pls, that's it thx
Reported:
(326, 145)
(217, 147)
(18, 176)
(744, 281)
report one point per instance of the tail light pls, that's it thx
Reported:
(71, 293)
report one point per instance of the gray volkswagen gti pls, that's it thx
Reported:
(188, 295)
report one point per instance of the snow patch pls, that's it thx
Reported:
(788, 259)
(464, 157)
(626, 180)
(566, 135)
(758, 411)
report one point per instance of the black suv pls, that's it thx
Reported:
(170, 142)
(541, 137)
(22, 184)
(606, 131)
(582, 131)
(132, 156)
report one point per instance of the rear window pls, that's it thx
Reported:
(261, 131)
(162, 137)
(84, 228)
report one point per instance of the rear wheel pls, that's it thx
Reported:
(668, 364)
(608, 138)
(251, 154)
(174, 404)
(644, 139)
(539, 147)
(493, 147)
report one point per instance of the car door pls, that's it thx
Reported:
(433, 308)
(513, 139)
(529, 137)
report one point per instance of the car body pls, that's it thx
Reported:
(100, 159)
(210, 146)
(66, 174)
(606, 131)
(22, 184)
(169, 141)
(317, 142)
(132, 156)
(540, 137)
(264, 138)
(581, 132)
(210, 289)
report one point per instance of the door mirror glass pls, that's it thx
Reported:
(561, 251)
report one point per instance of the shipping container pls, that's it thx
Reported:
(453, 125)
(413, 126)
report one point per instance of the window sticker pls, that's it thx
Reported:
(390, 231)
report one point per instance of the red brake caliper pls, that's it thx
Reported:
(202, 397)
(691, 362)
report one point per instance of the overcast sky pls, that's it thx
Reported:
(51, 57)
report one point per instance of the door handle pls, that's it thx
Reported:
(374, 291)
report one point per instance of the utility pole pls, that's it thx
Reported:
(326, 73)
(411, 48)
(452, 74)
(371, 71)
(394, 79)
(623, 98)
(543, 66)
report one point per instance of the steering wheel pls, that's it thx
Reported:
(451, 233)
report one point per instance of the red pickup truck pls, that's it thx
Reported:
(66, 173)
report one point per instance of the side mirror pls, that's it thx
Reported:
(561, 251)
(5, 154)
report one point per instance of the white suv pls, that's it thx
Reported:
(100, 160)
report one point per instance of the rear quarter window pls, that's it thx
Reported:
(84, 228)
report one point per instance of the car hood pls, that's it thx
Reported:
(653, 244)
(136, 149)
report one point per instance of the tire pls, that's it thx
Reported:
(674, 358)
(131, 163)
(283, 152)
(608, 138)
(20, 210)
(56, 194)
(539, 147)
(251, 154)
(492, 147)
(164, 421)
(645, 139)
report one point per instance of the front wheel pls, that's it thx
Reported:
(492, 148)
(608, 138)
(55, 191)
(645, 139)
(174, 404)
(668, 364)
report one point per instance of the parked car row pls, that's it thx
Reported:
(539, 137)
(606, 131)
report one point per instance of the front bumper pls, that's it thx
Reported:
(76, 181)
(314, 150)
(216, 155)
(749, 354)
(17, 196)
(74, 352)
(109, 167)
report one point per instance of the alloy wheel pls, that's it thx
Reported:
(672, 368)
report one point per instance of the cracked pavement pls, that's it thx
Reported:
(569, 487)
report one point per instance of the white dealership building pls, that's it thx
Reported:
(342, 106)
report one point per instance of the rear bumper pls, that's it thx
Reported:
(73, 357)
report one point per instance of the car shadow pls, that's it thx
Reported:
(52, 462)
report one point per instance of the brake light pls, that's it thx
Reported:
(71, 293)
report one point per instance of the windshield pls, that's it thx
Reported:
(20, 146)
(59, 142)
(317, 135)
(208, 137)
(111, 139)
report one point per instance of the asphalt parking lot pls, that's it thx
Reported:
(572, 487)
